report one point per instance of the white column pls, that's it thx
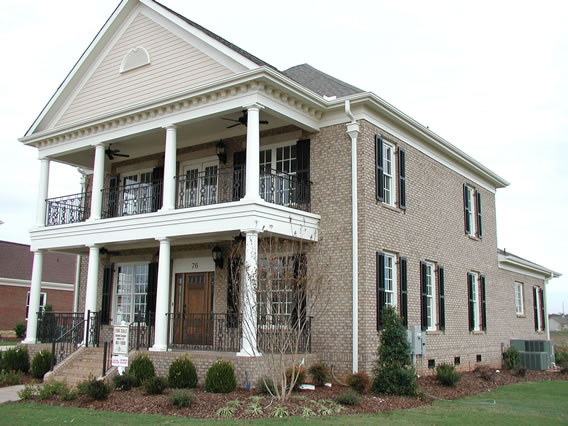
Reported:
(162, 297)
(42, 192)
(169, 196)
(98, 182)
(249, 344)
(35, 292)
(253, 153)
(92, 282)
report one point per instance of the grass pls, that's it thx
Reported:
(559, 337)
(8, 343)
(520, 404)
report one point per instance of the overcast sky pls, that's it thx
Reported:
(491, 77)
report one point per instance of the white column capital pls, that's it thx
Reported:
(254, 105)
(163, 239)
(99, 145)
(251, 231)
(170, 126)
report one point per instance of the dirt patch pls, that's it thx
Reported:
(320, 401)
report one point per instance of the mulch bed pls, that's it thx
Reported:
(207, 404)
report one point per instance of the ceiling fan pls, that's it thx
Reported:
(242, 120)
(111, 153)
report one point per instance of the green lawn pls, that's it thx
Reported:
(521, 404)
(8, 343)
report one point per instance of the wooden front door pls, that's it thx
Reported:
(193, 324)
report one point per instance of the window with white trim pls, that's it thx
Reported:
(430, 285)
(42, 302)
(519, 298)
(277, 164)
(137, 193)
(390, 279)
(475, 300)
(469, 209)
(131, 291)
(389, 173)
(275, 296)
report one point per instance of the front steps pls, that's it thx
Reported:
(87, 362)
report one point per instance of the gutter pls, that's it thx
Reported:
(353, 132)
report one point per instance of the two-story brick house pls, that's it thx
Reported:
(190, 143)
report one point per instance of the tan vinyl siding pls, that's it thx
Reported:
(175, 65)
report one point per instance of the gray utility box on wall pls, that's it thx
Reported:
(417, 340)
(535, 354)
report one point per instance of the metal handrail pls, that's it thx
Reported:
(67, 209)
(70, 341)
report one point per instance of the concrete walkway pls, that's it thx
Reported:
(10, 393)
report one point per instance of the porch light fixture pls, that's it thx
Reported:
(220, 148)
(217, 257)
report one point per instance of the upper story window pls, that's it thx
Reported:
(137, 193)
(131, 291)
(278, 165)
(279, 158)
(472, 211)
(387, 180)
(476, 307)
(519, 298)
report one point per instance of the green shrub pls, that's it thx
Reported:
(520, 372)
(20, 330)
(28, 392)
(97, 389)
(82, 387)
(447, 375)
(511, 358)
(561, 356)
(301, 378)
(393, 372)
(41, 363)
(10, 378)
(319, 373)
(16, 359)
(181, 398)
(141, 368)
(69, 394)
(51, 388)
(182, 373)
(265, 385)
(220, 378)
(359, 382)
(349, 397)
(155, 385)
(564, 370)
(124, 382)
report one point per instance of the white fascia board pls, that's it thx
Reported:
(45, 285)
(220, 218)
(401, 120)
(521, 266)
(84, 62)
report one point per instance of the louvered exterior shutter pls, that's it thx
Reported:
(441, 298)
(298, 317)
(233, 294)
(379, 179)
(542, 314)
(466, 209)
(152, 290)
(401, 178)
(303, 172)
(157, 188)
(483, 305)
(112, 201)
(404, 291)
(380, 264)
(536, 313)
(479, 221)
(424, 297)
(239, 162)
(107, 294)
(470, 284)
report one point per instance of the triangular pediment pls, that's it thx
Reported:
(144, 53)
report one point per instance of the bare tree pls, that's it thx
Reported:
(288, 296)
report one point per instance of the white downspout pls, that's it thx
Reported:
(353, 132)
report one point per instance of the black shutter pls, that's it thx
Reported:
(298, 318)
(112, 202)
(470, 284)
(401, 178)
(542, 315)
(152, 290)
(157, 188)
(107, 294)
(404, 291)
(483, 305)
(466, 208)
(303, 172)
(233, 293)
(380, 289)
(379, 179)
(424, 297)
(479, 221)
(441, 298)
(239, 162)
(536, 313)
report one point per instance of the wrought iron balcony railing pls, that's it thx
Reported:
(137, 198)
(68, 209)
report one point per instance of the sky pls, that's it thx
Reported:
(490, 77)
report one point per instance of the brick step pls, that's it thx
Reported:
(88, 363)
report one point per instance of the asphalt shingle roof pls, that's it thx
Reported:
(321, 83)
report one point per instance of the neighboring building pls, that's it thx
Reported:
(58, 284)
(558, 322)
(190, 143)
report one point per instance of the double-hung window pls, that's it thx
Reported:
(428, 284)
(476, 302)
(42, 301)
(137, 192)
(388, 173)
(278, 165)
(387, 181)
(519, 298)
(131, 291)
(472, 211)
(275, 297)
(390, 279)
